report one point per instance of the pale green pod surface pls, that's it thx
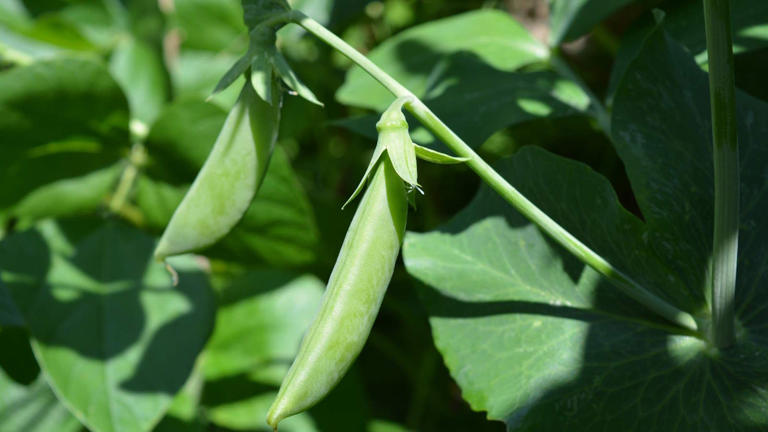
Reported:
(227, 182)
(351, 302)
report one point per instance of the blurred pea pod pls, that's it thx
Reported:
(352, 299)
(227, 182)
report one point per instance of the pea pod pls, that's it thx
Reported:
(351, 302)
(227, 182)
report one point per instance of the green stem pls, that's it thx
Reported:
(497, 182)
(127, 178)
(717, 18)
(596, 105)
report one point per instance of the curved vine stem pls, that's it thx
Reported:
(497, 182)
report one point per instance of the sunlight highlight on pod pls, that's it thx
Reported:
(229, 179)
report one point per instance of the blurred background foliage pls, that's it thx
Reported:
(68, 137)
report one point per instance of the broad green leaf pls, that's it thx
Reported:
(196, 73)
(249, 414)
(32, 408)
(69, 197)
(184, 414)
(62, 122)
(241, 402)
(684, 22)
(105, 320)
(204, 56)
(18, 361)
(9, 314)
(210, 25)
(661, 131)
(415, 55)
(140, 72)
(261, 318)
(537, 340)
(477, 100)
(567, 351)
(664, 128)
(570, 19)
(79, 26)
(278, 228)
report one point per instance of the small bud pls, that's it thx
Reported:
(395, 138)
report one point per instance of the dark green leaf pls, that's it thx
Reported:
(570, 19)
(32, 408)
(105, 319)
(476, 99)
(684, 22)
(415, 55)
(63, 123)
(9, 314)
(140, 72)
(18, 362)
(569, 352)
(211, 25)
(261, 318)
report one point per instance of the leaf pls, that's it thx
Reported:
(9, 314)
(235, 72)
(667, 126)
(433, 156)
(278, 228)
(32, 408)
(291, 80)
(105, 319)
(184, 413)
(221, 19)
(50, 35)
(141, 74)
(543, 343)
(61, 120)
(19, 364)
(570, 19)
(478, 100)
(414, 55)
(69, 197)
(195, 74)
(377, 152)
(261, 318)
(684, 22)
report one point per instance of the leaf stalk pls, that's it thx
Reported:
(717, 21)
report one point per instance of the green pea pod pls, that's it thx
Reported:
(227, 182)
(353, 296)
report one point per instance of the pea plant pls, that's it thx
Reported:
(178, 178)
